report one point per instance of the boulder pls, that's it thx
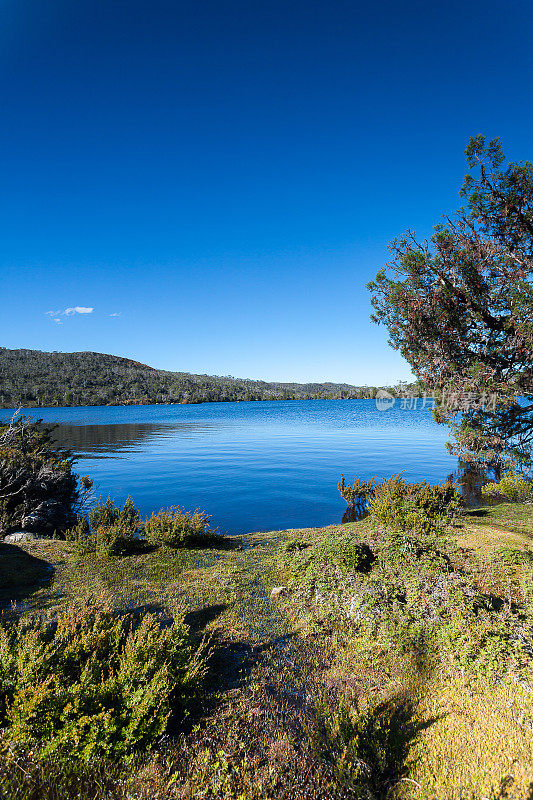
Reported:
(19, 536)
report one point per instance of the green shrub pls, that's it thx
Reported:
(78, 531)
(418, 507)
(175, 527)
(109, 531)
(294, 546)
(91, 685)
(511, 487)
(106, 542)
(358, 493)
(347, 555)
(108, 514)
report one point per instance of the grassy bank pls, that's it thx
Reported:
(403, 675)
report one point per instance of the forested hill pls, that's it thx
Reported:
(34, 378)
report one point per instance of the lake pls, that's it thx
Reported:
(253, 466)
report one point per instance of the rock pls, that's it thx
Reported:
(19, 536)
(277, 591)
(363, 605)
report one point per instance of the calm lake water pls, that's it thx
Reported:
(253, 466)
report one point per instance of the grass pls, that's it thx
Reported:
(301, 701)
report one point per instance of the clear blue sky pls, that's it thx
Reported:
(224, 176)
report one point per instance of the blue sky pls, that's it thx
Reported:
(218, 180)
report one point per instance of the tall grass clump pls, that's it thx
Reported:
(89, 684)
(175, 527)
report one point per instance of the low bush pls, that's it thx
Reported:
(357, 494)
(110, 530)
(176, 527)
(347, 555)
(108, 514)
(89, 684)
(107, 542)
(418, 507)
(511, 487)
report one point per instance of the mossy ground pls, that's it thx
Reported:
(300, 703)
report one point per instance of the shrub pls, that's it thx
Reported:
(109, 531)
(418, 507)
(178, 528)
(38, 489)
(511, 487)
(92, 685)
(106, 542)
(358, 493)
(347, 555)
(108, 514)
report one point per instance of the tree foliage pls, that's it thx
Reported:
(38, 490)
(31, 378)
(459, 308)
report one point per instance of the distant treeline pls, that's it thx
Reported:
(32, 378)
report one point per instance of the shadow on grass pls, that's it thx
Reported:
(229, 665)
(229, 662)
(197, 620)
(21, 574)
(368, 748)
(478, 512)
(215, 541)
(386, 738)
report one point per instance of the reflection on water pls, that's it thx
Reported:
(354, 514)
(107, 438)
(253, 466)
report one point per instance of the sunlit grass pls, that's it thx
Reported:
(303, 703)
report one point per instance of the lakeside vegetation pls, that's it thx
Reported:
(387, 663)
(32, 379)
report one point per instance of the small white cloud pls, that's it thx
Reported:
(69, 312)
(78, 310)
(116, 314)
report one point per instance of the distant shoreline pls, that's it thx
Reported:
(37, 379)
(141, 403)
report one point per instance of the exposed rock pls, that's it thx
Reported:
(277, 591)
(19, 536)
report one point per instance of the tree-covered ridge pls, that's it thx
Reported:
(33, 378)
